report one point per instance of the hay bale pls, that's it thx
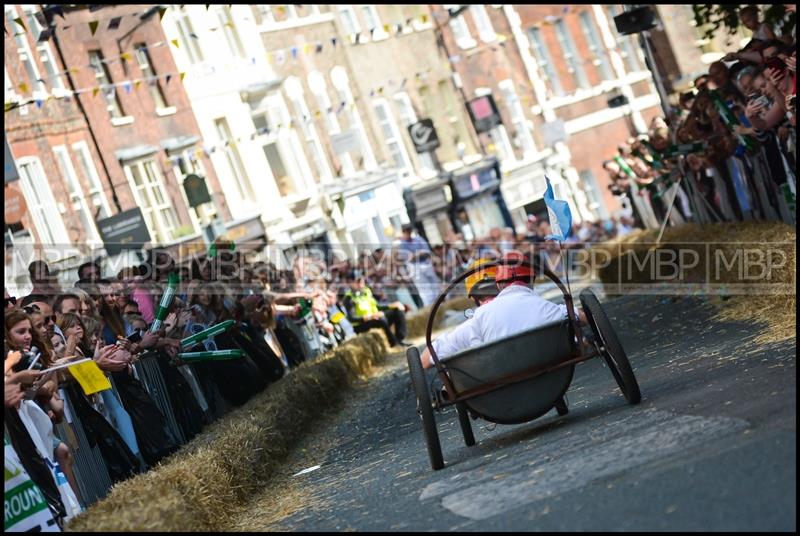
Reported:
(196, 489)
(772, 307)
(417, 322)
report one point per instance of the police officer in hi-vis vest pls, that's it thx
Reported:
(365, 313)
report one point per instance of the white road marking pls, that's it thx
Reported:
(572, 462)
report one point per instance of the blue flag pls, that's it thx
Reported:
(560, 215)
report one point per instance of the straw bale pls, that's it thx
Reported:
(203, 485)
(775, 312)
(418, 321)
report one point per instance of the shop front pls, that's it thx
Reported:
(467, 200)
(428, 207)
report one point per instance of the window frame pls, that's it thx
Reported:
(483, 23)
(81, 149)
(544, 61)
(148, 203)
(460, 29)
(319, 87)
(296, 94)
(570, 53)
(46, 211)
(595, 44)
(341, 83)
(518, 118)
(234, 160)
(75, 192)
(192, 48)
(45, 53)
(353, 26)
(25, 52)
(105, 74)
(408, 116)
(141, 52)
(394, 137)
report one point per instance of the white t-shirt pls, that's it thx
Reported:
(516, 309)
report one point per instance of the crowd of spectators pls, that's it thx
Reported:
(730, 143)
(159, 398)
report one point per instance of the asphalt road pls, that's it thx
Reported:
(712, 446)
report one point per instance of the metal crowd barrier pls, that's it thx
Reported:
(89, 466)
(149, 373)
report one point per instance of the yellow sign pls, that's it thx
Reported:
(90, 377)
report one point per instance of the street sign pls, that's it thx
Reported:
(196, 190)
(484, 113)
(423, 135)
(126, 230)
(15, 205)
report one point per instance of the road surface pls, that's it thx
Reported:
(712, 446)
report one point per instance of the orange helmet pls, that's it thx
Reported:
(507, 272)
(483, 281)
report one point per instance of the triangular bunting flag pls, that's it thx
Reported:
(113, 24)
(308, 48)
(137, 83)
(161, 12)
(126, 56)
(93, 24)
(424, 18)
(23, 87)
(45, 35)
(386, 28)
(293, 50)
(399, 28)
(19, 21)
(175, 42)
(319, 48)
(39, 103)
(168, 78)
(95, 91)
(333, 42)
(127, 86)
(182, 76)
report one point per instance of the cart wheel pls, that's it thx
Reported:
(424, 408)
(613, 352)
(466, 427)
(561, 406)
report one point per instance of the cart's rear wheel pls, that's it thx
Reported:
(466, 427)
(613, 352)
(424, 408)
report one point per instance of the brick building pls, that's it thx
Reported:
(135, 137)
(559, 66)
(63, 185)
